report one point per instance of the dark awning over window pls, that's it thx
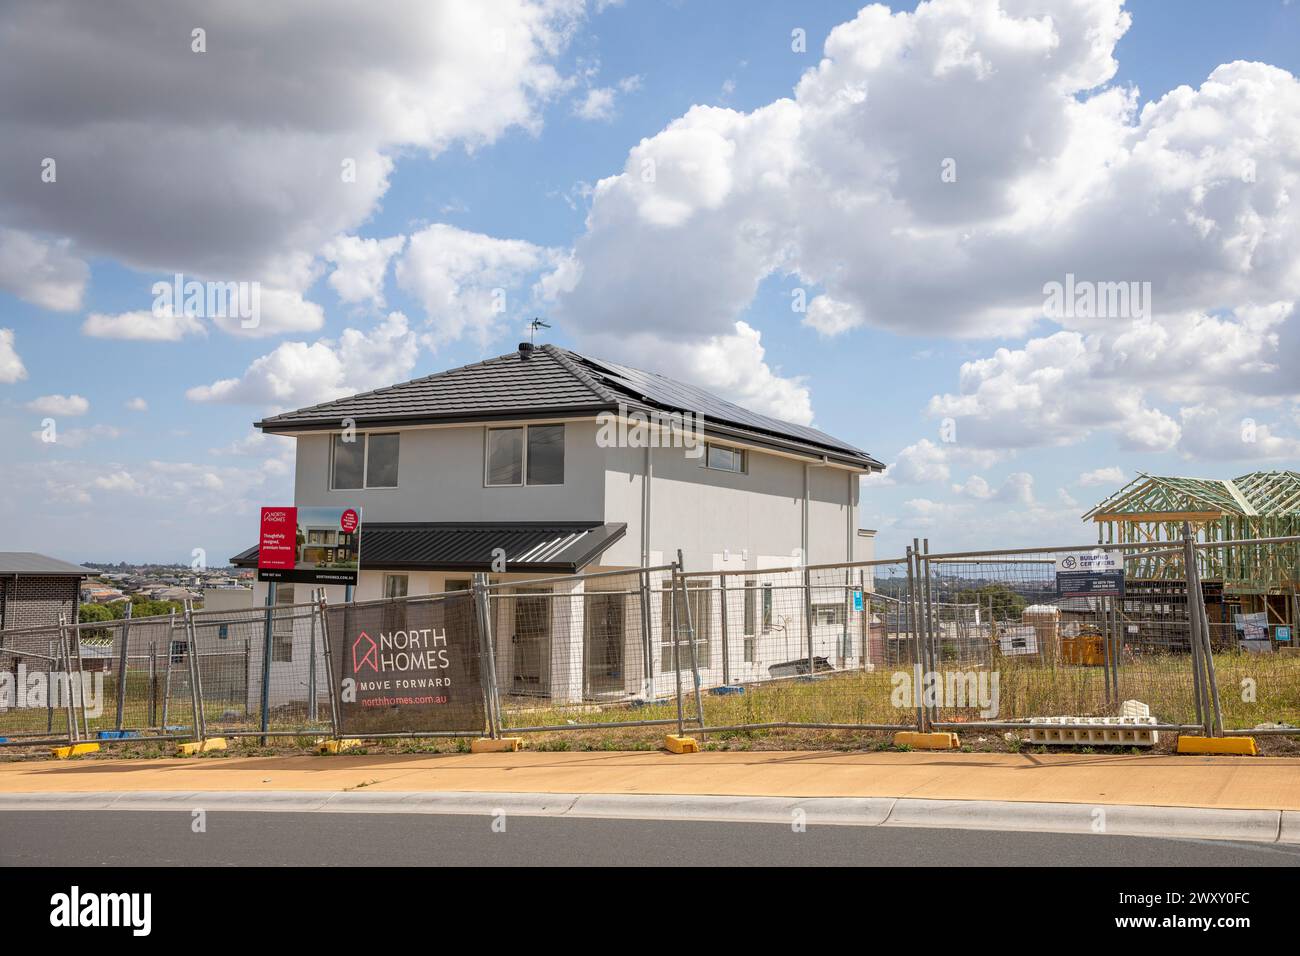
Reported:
(549, 547)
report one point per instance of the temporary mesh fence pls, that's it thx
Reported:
(1007, 647)
(262, 670)
(585, 650)
(797, 647)
(38, 699)
(1252, 629)
(132, 679)
(102, 680)
(967, 640)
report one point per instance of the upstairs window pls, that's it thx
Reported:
(368, 461)
(525, 455)
(724, 458)
(545, 458)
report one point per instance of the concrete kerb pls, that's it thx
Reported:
(1177, 822)
(1256, 826)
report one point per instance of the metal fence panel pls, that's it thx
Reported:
(262, 670)
(36, 698)
(1252, 629)
(585, 650)
(802, 647)
(1006, 648)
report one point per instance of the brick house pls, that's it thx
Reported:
(35, 590)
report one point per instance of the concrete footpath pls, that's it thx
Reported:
(1179, 797)
(1186, 781)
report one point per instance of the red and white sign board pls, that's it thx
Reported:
(312, 545)
(277, 544)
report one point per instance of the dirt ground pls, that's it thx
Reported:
(626, 739)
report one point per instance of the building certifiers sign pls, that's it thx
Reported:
(408, 666)
(1090, 574)
(1252, 627)
(309, 545)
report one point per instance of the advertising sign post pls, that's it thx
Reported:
(303, 545)
(310, 545)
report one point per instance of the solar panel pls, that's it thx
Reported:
(678, 395)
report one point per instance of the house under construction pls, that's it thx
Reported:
(1239, 579)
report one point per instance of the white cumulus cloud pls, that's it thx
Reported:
(63, 405)
(296, 374)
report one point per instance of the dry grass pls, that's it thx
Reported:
(1025, 688)
(1253, 690)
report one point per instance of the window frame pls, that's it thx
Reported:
(523, 481)
(282, 630)
(406, 586)
(364, 438)
(741, 454)
(365, 471)
(835, 612)
(750, 622)
(528, 455)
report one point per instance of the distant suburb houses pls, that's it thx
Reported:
(540, 455)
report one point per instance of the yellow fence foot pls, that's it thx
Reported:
(76, 750)
(201, 746)
(1217, 745)
(681, 745)
(325, 746)
(942, 740)
(497, 745)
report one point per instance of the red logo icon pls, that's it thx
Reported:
(349, 521)
(368, 648)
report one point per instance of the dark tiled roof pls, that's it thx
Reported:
(555, 381)
(503, 385)
(530, 547)
(29, 562)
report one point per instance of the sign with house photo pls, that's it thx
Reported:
(309, 545)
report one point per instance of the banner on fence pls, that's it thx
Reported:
(408, 666)
(1090, 574)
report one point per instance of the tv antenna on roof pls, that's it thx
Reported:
(533, 326)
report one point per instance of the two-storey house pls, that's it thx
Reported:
(544, 463)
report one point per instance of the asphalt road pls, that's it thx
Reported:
(166, 838)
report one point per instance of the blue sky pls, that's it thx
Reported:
(515, 186)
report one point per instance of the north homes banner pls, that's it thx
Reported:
(408, 666)
(309, 545)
